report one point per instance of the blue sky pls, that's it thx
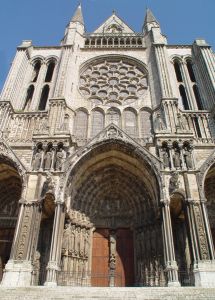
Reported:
(44, 21)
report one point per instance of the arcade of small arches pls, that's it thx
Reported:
(114, 230)
(133, 122)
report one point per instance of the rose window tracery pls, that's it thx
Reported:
(110, 81)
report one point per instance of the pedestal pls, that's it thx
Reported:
(204, 274)
(17, 273)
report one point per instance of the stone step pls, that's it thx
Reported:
(67, 293)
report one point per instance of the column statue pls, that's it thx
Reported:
(60, 157)
(48, 159)
(165, 156)
(37, 160)
(188, 158)
(176, 158)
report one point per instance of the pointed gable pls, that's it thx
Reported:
(114, 24)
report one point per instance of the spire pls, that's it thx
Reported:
(78, 16)
(150, 20)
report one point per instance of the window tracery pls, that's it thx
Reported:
(113, 80)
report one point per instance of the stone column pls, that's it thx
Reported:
(55, 250)
(204, 269)
(208, 230)
(19, 267)
(171, 265)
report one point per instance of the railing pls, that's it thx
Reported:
(114, 41)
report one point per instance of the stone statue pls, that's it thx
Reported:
(37, 160)
(176, 158)
(160, 124)
(66, 239)
(181, 125)
(48, 159)
(71, 240)
(60, 157)
(77, 240)
(188, 158)
(86, 244)
(112, 243)
(82, 240)
(165, 158)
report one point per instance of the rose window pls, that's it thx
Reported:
(109, 81)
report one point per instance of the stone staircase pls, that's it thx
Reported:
(67, 293)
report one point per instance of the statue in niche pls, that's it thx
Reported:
(165, 157)
(48, 159)
(188, 158)
(176, 158)
(160, 123)
(37, 160)
(180, 125)
(60, 157)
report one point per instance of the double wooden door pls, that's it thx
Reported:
(124, 265)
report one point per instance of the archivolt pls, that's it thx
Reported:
(111, 173)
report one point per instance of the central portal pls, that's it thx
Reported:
(112, 233)
(112, 257)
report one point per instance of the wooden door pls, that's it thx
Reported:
(100, 258)
(124, 258)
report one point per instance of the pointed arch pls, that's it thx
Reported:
(98, 121)
(130, 121)
(81, 123)
(114, 116)
(44, 97)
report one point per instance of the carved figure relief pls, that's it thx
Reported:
(160, 126)
(188, 157)
(48, 159)
(37, 160)
(60, 158)
(177, 158)
(165, 157)
(75, 250)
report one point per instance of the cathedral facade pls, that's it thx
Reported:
(107, 160)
